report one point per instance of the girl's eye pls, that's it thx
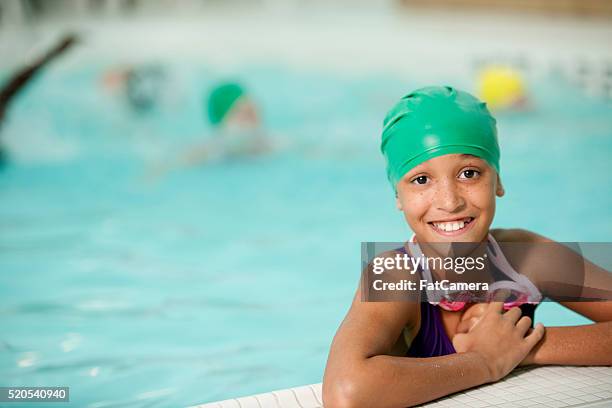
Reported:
(470, 173)
(420, 180)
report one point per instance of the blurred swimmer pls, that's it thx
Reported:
(502, 88)
(143, 87)
(235, 120)
(22, 77)
(237, 131)
(228, 105)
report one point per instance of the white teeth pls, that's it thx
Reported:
(450, 226)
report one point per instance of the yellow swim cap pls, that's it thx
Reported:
(501, 87)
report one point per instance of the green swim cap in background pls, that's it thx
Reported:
(221, 100)
(435, 121)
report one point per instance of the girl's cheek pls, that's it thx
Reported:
(410, 209)
(482, 194)
(478, 197)
(417, 203)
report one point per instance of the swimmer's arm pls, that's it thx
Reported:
(360, 373)
(196, 156)
(589, 344)
(575, 345)
(22, 77)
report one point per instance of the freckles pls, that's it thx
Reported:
(481, 194)
(416, 204)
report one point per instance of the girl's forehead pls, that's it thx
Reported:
(449, 159)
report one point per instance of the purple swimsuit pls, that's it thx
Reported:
(431, 340)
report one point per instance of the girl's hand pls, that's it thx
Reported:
(530, 357)
(499, 338)
(472, 315)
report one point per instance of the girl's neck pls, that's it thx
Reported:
(452, 250)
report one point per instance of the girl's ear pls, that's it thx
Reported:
(500, 188)
(398, 203)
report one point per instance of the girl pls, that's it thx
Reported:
(442, 157)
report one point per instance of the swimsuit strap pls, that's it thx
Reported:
(499, 260)
(415, 251)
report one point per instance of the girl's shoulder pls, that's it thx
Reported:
(517, 235)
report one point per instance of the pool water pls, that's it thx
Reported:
(142, 289)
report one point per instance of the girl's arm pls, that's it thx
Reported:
(575, 345)
(360, 372)
(589, 344)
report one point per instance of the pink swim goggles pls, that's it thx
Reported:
(516, 291)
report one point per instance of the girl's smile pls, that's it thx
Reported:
(452, 228)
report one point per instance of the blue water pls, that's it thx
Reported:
(230, 279)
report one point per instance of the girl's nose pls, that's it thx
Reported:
(449, 198)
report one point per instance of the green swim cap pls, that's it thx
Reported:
(221, 100)
(435, 121)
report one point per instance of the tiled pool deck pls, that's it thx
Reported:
(525, 387)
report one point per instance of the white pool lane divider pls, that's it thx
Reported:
(552, 386)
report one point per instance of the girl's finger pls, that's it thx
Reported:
(535, 336)
(466, 325)
(495, 307)
(463, 327)
(523, 325)
(460, 343)
(513, 314)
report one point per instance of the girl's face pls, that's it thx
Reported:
(243, 115)
(450, 198)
